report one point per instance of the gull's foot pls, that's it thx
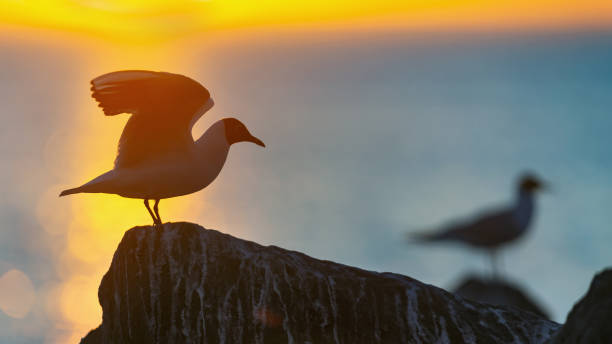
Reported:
(158, 224)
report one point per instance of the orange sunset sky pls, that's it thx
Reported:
(140, 18)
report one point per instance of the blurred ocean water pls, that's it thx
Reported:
(368, 136)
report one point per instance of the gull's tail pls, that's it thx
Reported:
(71, 191)
(96, 185)
(420, 237)
(428, 236)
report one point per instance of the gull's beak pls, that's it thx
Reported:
(256, 141)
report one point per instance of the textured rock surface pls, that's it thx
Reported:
(497, 292)
(185, 284)
(590, 321)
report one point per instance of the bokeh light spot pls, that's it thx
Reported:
(17, 294)
(78, 302)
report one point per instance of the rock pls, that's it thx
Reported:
(184, 284)
(590, 320)
(497, 292)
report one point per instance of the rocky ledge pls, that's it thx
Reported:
(590, 321)
(182, 283)
(497, 291)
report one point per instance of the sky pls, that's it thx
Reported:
(378, 120)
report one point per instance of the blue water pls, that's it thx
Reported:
(369, 136)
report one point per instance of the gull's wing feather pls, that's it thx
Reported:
(164, 107)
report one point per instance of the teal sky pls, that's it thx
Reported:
(368, 136)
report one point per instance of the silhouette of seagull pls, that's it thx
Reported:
(157, 156)
(493, 230)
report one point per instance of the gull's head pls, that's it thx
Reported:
(529, 183)
(236, 131)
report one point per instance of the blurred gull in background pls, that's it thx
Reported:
(494, 229)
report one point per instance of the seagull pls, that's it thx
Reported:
(157, 157)
(493, 230)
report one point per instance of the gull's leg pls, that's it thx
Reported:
(493, 255)
(157, 211)
(146, 203)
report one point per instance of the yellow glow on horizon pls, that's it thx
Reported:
(155, 19)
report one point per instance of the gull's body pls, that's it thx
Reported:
(169, 176)
(158, 157)
(495, 229)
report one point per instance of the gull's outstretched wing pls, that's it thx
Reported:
(164, 107)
